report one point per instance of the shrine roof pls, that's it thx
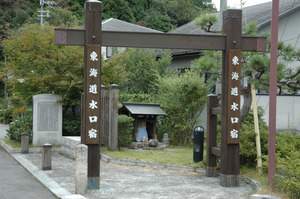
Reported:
(260, 14)
(113, 24)
(142, 109)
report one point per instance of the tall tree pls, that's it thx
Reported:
(136, 70)
(183, 97)
(37, 66)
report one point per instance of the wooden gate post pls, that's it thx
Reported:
(211, 136)
(231, 67)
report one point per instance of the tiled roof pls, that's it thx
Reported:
(261, 14)
(113, 24)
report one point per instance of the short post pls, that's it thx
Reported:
(24, 143)
(46, 156)
(81, 180)
(113, 118)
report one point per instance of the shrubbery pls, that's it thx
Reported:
(287, 154)
(248, 154)
(288, 164)
(20, 125)
(7, 115)
(125, 127)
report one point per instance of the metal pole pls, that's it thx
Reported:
(273, 93)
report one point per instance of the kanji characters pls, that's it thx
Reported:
(93, 104)
(234, 120)
(234, 134)
(94, 56)
(93, 72)
(93, 133)
(235, 60)
(234, 106)
(234, 91)
(93, 119)
(234, 76)
(93, 89)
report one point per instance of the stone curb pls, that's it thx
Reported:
(11, 150)
(108, 159)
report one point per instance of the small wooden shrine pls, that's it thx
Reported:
(144, 115)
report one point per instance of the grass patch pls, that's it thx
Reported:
(182, 156)
(263, 179)
(14, 144)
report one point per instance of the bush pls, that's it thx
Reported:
(248, 154)
(18, 126)
(125, 127)
(182, 97)
(7, 115)
(71, 127)
(288, 164)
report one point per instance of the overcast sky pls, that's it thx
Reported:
(236, 3)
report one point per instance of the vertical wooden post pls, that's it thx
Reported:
(273, 94)
(230, 149)
(211, 137)
(113, 118)
(92, 93)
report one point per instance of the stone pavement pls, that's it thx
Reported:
(130, 182)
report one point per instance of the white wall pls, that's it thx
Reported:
(288, 111)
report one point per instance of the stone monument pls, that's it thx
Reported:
(47, 119)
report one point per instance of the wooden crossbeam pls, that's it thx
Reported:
(216, 151)
(216, 111)
(158, 40)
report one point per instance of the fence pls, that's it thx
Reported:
(109, 116)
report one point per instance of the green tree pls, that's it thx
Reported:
(118, 9)
(256, 69)
(183, 97)
(136, 70)
(37, 66)
(61, 17)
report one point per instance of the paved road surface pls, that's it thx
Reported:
(15, 181)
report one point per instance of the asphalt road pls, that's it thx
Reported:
(15, 181)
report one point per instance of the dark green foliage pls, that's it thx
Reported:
(125, 127)
(71, 127)
(248, 154)
(71, 121)
(137, 97)
(20, 125)
(182, 97)
(136, 70)
(288, 164)
(118, 9)
(287, 154)
(7, 115)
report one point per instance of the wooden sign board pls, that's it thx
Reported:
(234, 84)
(92, 90)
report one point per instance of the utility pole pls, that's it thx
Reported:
(42, 12)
